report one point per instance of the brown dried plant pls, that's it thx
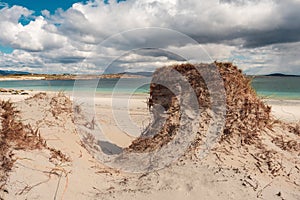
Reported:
(246, 114)
(14, 135)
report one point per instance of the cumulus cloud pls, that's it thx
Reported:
(283, 58)
(87, 37)
(31, 37)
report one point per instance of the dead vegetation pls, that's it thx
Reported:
(294, 128)
(18, 135)
(248, 120)
(40, 95)
(286, 145)
(60, 104)
(14, 136)
(246, 114)
(166, 106)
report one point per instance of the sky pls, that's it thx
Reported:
(97, 36)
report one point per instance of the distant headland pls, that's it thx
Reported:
(20, 75)
(282, 75)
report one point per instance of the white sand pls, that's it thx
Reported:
(286, 110)
(3, 78)
(221, 175)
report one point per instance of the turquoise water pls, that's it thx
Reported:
(104, 85)
(277, 87)
(269, 87)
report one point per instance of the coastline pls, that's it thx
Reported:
(67, 77)
(285, 109)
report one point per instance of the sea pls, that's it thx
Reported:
(265, 87)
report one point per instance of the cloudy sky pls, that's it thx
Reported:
(96, 36)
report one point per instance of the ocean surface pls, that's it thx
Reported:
(277, 87)
(266, 87)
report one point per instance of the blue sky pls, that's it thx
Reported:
(38, 6)
(6, 49)
(50, 5)
(67, 36)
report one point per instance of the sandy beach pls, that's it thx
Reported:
(55, 151)
(83, 177)
(286, 110)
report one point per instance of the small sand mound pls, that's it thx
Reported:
(246, 114)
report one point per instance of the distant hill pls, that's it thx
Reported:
(280, 74)
(8, 72)
(148, 74)
(11, 72)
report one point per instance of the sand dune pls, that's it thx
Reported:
(229, 171)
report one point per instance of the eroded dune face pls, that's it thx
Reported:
(246, 114)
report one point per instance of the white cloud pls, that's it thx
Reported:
(46, 13)
(32, 37)
(246, 31)
(14, 13)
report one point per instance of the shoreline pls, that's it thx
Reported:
(272, 98)
(68, 86)
(287, 110)
(50, 77)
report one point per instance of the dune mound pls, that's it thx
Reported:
(252, 142)
(246, 114)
